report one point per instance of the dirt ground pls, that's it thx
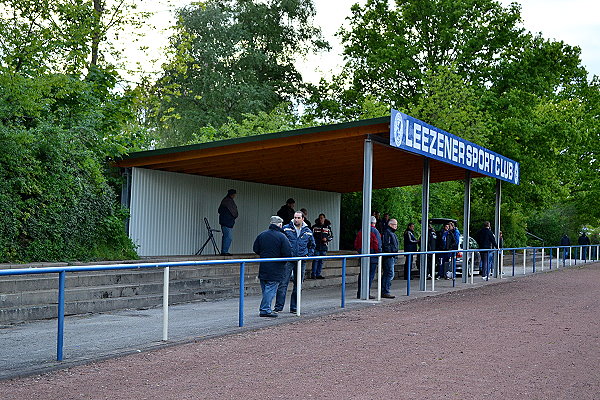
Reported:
(536, 337)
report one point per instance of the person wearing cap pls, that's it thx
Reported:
(375, 245)
(228, 213)
(302, 243)
(271, 243)
(286, 212)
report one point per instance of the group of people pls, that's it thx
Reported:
(583, 241)
(382, 240)
(289, 235)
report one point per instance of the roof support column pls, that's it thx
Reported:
(497, 224)
(366, 217)
(126, 193)
(425, 225)
(466, 230)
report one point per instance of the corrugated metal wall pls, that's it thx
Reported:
(167, 211)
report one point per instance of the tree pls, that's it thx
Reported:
(466, 66)
(390, 49)
(56, 200)
(230, 58)
(61, 36)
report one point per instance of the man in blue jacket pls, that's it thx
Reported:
(271, 243)
(302, 243)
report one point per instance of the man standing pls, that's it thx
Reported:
(585, 242)
(565, 243)
(375, 245)
(302, 243)
(390, 245)
(228, 212)
(271, 243)
(410, 245)
(486, 240)
(322, 234)
(286, 212)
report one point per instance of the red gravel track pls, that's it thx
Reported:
(536, 337)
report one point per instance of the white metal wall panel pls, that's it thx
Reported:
(167, 211)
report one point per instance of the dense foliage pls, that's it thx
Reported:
(468, 67)
(465, 66)
(232, 58)
(60, 121)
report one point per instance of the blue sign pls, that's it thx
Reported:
(415, 136)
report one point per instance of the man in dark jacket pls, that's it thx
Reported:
(585, 242)
(486, 240)
(286, 212)
(389, 245)
(228, 212)
(565, 242)
(302, 243)
(271, 243)
(410, 245)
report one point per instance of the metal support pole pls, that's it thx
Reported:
(542, 259)
(467, 220)
(408, 277)
(379, 272)
(165, 304)
(454, 268)
(298, 287)
(242, 293)
(524, 261)
(61, 316)
(424, 223)
(343, 305)
(472, 266)
(366, 223)
(513, 272)
(497, 223)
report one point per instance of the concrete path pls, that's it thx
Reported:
(30, 348)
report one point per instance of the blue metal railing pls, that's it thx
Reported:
(586, 253)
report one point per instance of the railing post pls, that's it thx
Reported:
(165, 330)
(534, 250)
(570, 256)
(408, 277)
(513, 272)
(524, 261)
(433, 272)
(454, 255)
(242, 293)
(344, 282)
(542, 259)
(299, 277)
(379, 269)
(550, 253)
(472, 266)
(61, 316)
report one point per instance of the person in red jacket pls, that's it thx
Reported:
(375, 244)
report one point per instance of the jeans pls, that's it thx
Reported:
(269, 289)
(584, 253)
(317, 265)
(289, 274)
(485, 269)
(388, 274)
(227, 238)
(373, 261)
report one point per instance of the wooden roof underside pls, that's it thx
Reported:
(328, 158)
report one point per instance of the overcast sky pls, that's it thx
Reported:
(575, 22)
